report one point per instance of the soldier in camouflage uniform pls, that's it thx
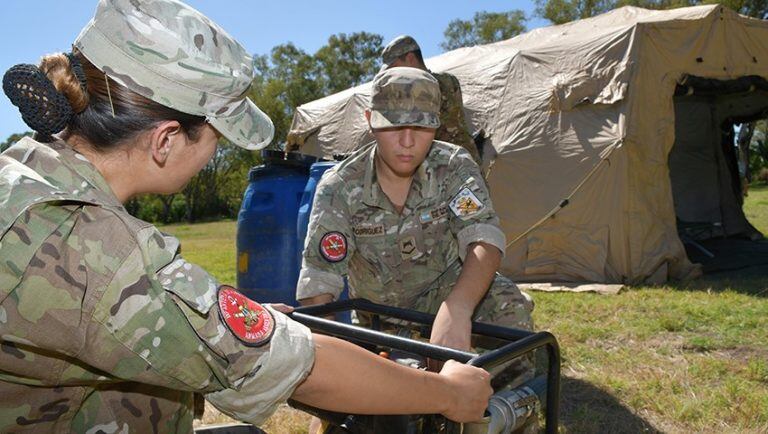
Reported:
(408, 219)
(433, 246)
(104, 327)
(404, 51)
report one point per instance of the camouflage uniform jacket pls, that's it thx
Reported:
(104, 327)
(453, 126)
(390, 257)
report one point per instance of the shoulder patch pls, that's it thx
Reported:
(465, 204)
(333, 246)
(249, 321)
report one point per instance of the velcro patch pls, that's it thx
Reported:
(408, 248)
(249, 321)
(433, 214)
(333, 246)
(466, 204)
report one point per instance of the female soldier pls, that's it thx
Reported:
(103, 326)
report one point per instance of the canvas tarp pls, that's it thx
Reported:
(581, 115)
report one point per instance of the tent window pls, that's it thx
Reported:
(707, 173)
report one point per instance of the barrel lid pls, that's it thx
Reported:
(272, 156)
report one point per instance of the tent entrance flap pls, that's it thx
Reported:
(707, 185)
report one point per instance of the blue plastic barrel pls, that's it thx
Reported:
(305, 208)
(267, 245)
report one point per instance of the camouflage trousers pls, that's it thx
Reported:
(504, 305)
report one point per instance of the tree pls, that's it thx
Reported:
(13, 138)
(283, 80)
(484, 28)
(289, 76)
(349, 60)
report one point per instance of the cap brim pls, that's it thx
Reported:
(247, 126)
(392, 119)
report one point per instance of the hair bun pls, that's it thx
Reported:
(42, 107)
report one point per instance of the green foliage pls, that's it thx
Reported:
(758, 150)
(484, 28)
(289, 77)
(563, 11)
(13, 138)
(348, 61)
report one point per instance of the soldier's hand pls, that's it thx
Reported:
(280, 307)
(452, 327)
(471, 390)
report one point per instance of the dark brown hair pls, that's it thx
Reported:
(94, 120)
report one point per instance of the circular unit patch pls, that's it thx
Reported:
(249, 321)
(333, 246)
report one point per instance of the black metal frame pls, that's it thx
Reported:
(521, 342)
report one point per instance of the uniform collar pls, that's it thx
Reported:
(88, 183)
(424, 184)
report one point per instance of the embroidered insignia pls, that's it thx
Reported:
(408, 247)
(249, 321)
(333, 246)
(369, 230)
(466, 204)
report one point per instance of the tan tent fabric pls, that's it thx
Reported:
(584, 112)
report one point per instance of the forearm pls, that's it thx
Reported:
(350, 379)
(318, 299)
(480, 265)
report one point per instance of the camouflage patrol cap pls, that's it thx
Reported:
(398, 47)
(405, 97)
(170, 53)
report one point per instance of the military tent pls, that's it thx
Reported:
(603, 137)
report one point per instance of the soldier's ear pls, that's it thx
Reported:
(161, 140)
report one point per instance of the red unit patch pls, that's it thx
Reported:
(333, 246)
(249, 321)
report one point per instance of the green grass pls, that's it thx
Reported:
(677, 358)
(756, 207)
(210, 245)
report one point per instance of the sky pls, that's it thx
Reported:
(32, 28)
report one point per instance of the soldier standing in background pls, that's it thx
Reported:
(404, 51)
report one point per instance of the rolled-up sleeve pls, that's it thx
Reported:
(480, 233)
(165, 312)
(471, 214)
(323, 267)
(270, 378)
(314, 282)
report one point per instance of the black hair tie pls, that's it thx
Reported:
(77, 69)
(42, 107)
